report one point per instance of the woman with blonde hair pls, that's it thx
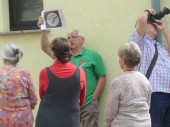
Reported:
(129, 96)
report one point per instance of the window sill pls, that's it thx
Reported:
(21, 32)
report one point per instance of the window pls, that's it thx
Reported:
(24, 14)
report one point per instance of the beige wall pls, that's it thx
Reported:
(4, 15)
(105, 23)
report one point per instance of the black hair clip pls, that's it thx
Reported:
(16, 51)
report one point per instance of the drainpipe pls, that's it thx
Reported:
(156, 6)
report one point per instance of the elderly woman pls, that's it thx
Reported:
(62, 89)
(17, 96)
(129, 96)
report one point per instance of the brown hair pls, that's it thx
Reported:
(61, 49)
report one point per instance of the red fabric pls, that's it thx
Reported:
(63, 71)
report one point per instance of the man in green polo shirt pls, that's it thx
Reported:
(94, 68)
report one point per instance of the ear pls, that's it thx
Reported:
(123, 61)
(83, 39)
(53, 55)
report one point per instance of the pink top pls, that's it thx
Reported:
(17, 97)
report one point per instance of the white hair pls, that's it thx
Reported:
(78, 31)
(131, 53)
(12, 53)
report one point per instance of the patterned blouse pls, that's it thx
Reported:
(129, 101)
(17, 97)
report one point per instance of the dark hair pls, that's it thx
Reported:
(61, 49)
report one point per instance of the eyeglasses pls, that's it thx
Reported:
(73, 37)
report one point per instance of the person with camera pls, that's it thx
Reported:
(155, 64)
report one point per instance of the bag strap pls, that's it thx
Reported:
(152, 64)
(3, 77)
(10, 71)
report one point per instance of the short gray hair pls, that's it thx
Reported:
(11, 53)
(77, 31)
(131, 54)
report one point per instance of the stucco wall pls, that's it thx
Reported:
(106, 24)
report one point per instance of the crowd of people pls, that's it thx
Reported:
(70, 88)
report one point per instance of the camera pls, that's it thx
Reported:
(159, 15)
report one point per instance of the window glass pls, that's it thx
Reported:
(24, 14)
(29, 9)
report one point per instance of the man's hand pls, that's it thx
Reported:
(152, 11)
(40, 22)
(159, 25)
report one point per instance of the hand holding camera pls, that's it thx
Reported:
(159, 24)
(152, 16)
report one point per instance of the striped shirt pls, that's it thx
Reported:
(160, 76)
